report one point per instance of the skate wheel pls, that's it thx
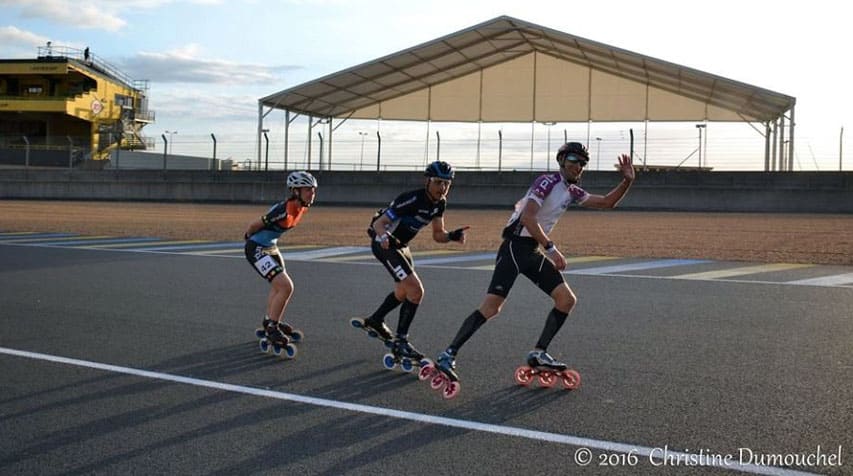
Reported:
(424, 362)
(547, 379)
(427, 371)
(260, 333)
(276, 349)
(289, 351)
(451, 390)
(373, 334)
(264, 345)
(357, 323)
(523, 375)
(388, 361)
(571, 379)
(297, 336)
(407, 365)
(388, 343)
(437, 381)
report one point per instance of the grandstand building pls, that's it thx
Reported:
(67, 107)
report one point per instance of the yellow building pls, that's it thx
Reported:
(68, 99)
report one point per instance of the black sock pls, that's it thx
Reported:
(471, 324)
(553, 323)
(407, 315)
(388, 305)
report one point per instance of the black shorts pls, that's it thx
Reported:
(266, 261)
(523, 255)
(398, 261)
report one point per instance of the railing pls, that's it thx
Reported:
(92, 61)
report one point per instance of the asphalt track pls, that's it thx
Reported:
(145, 363)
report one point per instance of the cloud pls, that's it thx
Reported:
(186, 66)
(101, 15)
(19, 43)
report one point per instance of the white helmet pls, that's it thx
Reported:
(301, 179)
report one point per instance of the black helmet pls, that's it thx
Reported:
(440, 169)
(573, 148)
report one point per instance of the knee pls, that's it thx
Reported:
(283, 285)
(415, 293)
(491, 308)
(565, 301)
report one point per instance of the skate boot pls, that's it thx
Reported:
(442, 375)
(277, 341)
(294, 335)
(446, 363)
(548, 371)
(261, 332)
(380, 328)
(541, 359)
(402, 348)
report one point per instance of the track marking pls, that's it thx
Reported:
(589, 443)
(743, 270)
(834, 280)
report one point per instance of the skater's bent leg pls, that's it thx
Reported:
(553, 323)
(490, 308)
(468, 328)
(282, 287)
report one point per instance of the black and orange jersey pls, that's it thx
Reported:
(280, 218)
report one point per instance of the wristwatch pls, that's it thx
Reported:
(549, 246)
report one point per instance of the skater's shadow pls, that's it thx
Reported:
(401, 438)
(366, 385)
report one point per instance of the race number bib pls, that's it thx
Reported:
(265, 264)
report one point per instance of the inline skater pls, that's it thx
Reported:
(527, 250)
(263, 254)
(391, 230)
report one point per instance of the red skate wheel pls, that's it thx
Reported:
(547, 379)
(438, 381)
(571, 379)
(451, 390)
(523, 375)
(426, 372)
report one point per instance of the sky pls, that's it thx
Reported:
(209, 61)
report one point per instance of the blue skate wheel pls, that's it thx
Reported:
(388, 361)
(264, 345)
(296, 336)
(260, 333)
(289, 351)
(276, 349)
(357, 323)
(406, 365)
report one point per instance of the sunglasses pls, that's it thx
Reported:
(577, 159)
(440, 181)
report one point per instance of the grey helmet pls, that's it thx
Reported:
(300, 179)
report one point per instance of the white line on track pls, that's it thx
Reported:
(640, 451)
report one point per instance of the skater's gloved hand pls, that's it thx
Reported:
(458, 234)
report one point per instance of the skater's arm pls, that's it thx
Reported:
(441, 235)
(380, 228)
(531, 223)
(254, 227)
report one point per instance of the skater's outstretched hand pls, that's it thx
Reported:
(458, 234)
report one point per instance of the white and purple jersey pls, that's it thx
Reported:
(553, 195)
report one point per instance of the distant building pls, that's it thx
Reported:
(69, 103)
